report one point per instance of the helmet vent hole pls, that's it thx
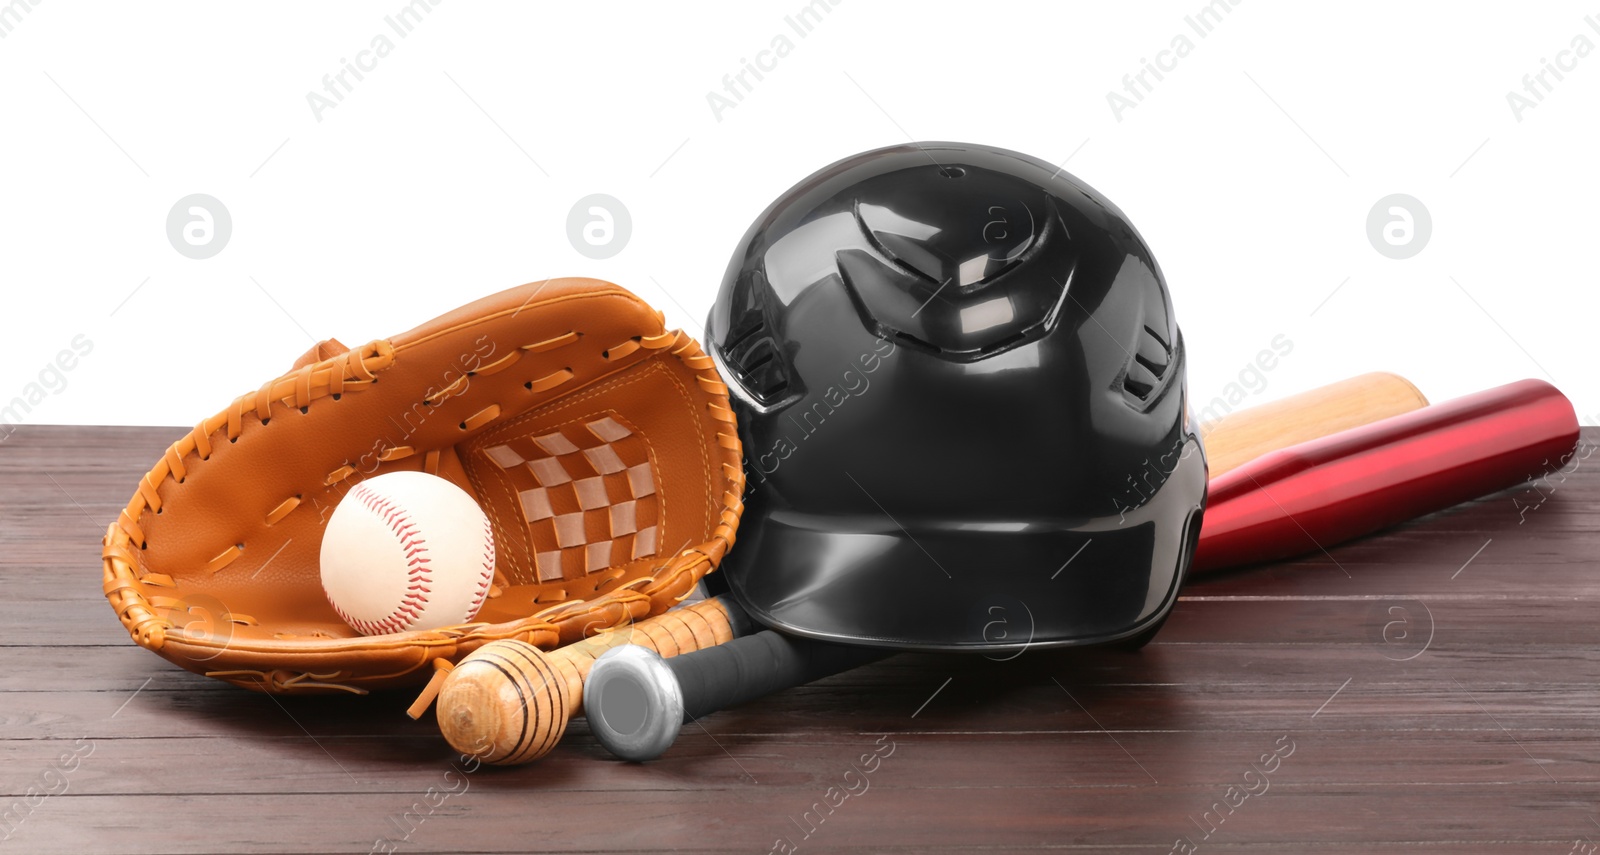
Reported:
(743, 337)
(760, 370)
(1148, 370)
(1150, 365)
(750, 350)
(952, 171)
(1139, 389)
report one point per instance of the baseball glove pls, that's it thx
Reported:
(599, 444)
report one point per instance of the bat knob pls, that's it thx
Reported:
(633, 702)
(505, 704)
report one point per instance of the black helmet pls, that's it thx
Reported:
(961, 393)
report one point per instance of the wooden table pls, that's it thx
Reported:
(1435, 688)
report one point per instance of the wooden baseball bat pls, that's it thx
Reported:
(1241, 437)
(509, 702)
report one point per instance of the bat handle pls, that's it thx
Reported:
(636, 701)
(509, 702)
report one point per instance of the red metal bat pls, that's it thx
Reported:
(1352, 483)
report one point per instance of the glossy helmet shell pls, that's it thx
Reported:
(961, 393)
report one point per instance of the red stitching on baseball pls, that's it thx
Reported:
(418, 577)
(488, 570)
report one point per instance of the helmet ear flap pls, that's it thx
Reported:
(752, 362)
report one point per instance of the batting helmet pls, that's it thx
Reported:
(961, 393)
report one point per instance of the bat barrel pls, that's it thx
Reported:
(1238, 438)
(1358, 481)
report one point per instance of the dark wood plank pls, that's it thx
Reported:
(885, 817)
(1076, 759)
(1483, 739)
(1193, 687)
(1458, 622)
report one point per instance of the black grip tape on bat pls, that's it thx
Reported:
(636, 701)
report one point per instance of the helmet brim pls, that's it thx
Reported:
(1059, 586)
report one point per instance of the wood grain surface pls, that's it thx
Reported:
(1439, 684)
(1238, 438)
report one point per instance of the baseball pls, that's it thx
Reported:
(407, 551)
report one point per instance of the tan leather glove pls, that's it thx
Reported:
(600, 445)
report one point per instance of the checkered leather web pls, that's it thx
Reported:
(588, 494)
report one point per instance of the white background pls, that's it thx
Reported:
(449, 172)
